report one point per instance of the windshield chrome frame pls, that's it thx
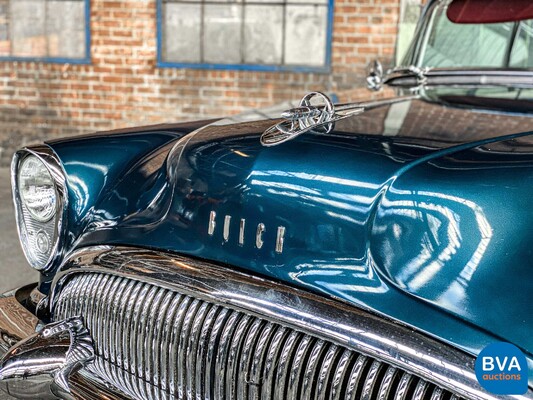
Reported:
(411, 66)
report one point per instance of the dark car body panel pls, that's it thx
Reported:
(430, 169)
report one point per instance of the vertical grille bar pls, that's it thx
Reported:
(246, 359)
(337, 387)
(235, 352)
(325, 373)
(298, 367)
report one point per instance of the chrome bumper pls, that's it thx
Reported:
(18, 327)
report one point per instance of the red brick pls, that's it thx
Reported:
(123, 87)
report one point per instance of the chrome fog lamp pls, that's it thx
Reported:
(40, 198)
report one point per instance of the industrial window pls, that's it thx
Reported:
(45, 30)
(245, 34)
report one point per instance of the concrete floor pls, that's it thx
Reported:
(14, 269)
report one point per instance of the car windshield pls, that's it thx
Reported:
(475, 45)
(473, 59)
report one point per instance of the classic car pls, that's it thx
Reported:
(343, 251)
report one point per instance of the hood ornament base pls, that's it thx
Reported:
(52, 354)
(319, 118)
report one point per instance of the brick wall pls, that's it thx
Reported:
(123, 87)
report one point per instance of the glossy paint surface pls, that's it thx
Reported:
(411, 222)
(95, 163)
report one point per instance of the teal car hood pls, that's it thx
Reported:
(430, 232)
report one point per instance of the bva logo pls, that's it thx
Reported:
(501, 368)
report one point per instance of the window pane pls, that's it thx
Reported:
(305, 35)
(250, 32)
(182, 27)
(66, 35)
(5, 43)
(522, 53)
(308, 2)
(263, 34)
(467, 45)
(43, 29)
(28, 28)
(222, 36)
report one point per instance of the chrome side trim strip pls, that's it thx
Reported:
(311, 314)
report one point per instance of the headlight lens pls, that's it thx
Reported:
(37, 189)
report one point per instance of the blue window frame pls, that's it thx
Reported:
(55, 31)
(262, 35)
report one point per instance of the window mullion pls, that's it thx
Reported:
(283, 31)
(46, 30)
(10, 28)
(243, 22)
(202, 30)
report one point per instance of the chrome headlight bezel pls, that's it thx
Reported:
(30, 229)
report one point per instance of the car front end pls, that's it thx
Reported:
(354, 251)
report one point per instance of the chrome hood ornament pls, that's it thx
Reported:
(52, 354)
(319, 118)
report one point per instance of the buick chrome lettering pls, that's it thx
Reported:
(260, 230)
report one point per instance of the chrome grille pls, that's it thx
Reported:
(156, 343)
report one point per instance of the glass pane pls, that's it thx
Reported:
(261, 2)
(181, 32)
(522, 53)
(66, 29)
(5, 43)
(245, 31)
(409, 15)
(305, 35)
(467, 45)
(222, 36)
(28, 28)
(308, 2)
(263, 34)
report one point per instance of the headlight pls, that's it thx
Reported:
(37, 189)
(40, 202)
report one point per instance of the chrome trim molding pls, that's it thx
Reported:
(280, 239)
(292, 314)
(259, 235)
(54, 166)
(212, 223)
(242, 225)
(227, 222)
(413, 76)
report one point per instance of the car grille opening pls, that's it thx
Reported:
(156, 343)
